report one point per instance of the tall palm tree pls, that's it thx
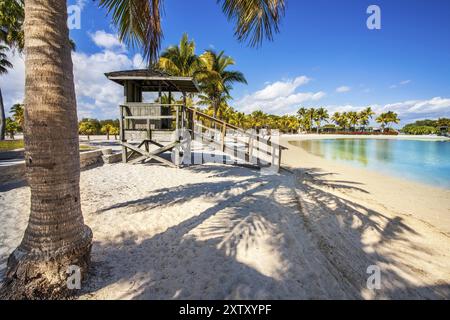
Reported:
(312, 115)
(4, 65)
(180, 60)
(56, 235)
(321, 115)
(215, 79)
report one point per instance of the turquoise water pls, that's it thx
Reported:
(423, 161)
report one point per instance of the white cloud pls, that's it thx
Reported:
(278, 97)
(12, 84)
(343, 89)
(401, 83)
(107, 40)
(96, 95)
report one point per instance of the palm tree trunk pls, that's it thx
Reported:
(2, 118)
(56, 236)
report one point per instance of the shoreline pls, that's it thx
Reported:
(311, 136)
(430, 204)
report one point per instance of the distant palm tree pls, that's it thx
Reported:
(56, 235)
(320, 115)
(239, 120)
(4, 65)
(258, 119)
(365, 116)
(215, 80)
(353, 119)
(17, 112)
(386, 118)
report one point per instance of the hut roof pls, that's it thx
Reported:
(153, 80)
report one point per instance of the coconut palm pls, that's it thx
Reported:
(320, 115)
(180, 60)
(353, 119)
(17, 113)
(302, 118)
(12, 15)
(365, 116)
(4, 65)
(386, 118)
(215, 79)
(239, 120)
(258, 119)
(56, 235)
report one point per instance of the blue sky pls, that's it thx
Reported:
(323, 56)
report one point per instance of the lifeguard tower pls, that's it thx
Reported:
(146, 125)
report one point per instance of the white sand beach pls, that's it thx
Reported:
(226, 232)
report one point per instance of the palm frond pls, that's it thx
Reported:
(138, 23)
(254, 19)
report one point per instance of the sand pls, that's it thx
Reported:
(225, 232)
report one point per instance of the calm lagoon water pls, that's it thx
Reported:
(423, 161)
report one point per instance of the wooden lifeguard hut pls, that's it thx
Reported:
(150, 128)
(151, 122)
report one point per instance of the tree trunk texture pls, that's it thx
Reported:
(56, 236)
(2, 118)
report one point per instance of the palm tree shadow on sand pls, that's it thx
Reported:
(212, 255)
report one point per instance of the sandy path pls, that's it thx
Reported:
(223, 232)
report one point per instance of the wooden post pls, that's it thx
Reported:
(194, 114)
(122, 136)
(224, 132)
(250, 147)
(183, 113)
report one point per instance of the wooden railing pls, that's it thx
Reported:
(257, 148)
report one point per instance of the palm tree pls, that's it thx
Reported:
(180, 60)
(321, 114)
(4, 65)
(56, 235)
(303, 118)
(258, 119)
(107, 129)
(215, 80)
(365, 116)
(353, 119)
(239, 120)
(386, 118)
(17, 112)
(11, 21)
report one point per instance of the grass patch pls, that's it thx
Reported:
(84, 147)
(8, 145)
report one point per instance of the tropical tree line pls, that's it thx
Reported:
(90, 126)
(348, 121)
(441, 125)
(15, 123)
